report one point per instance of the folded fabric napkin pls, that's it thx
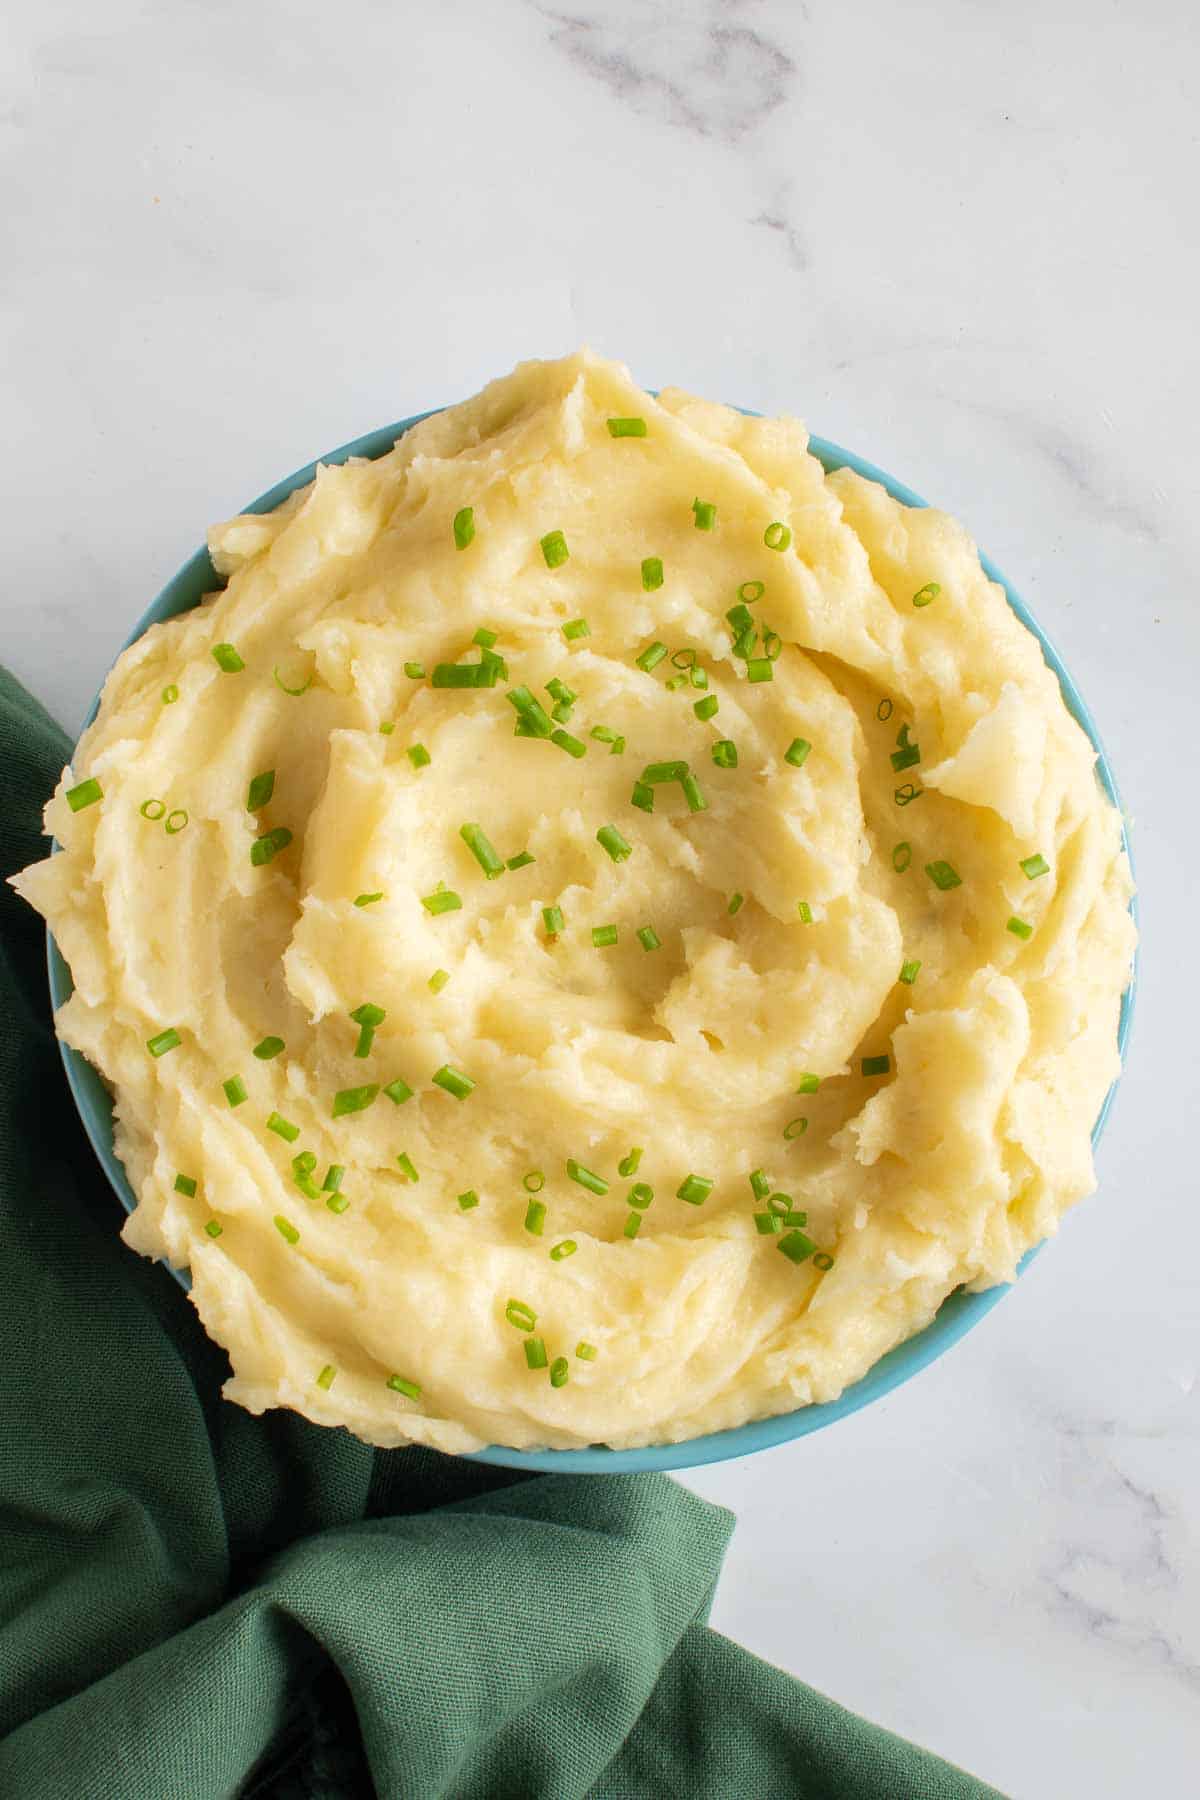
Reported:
(196, 1603)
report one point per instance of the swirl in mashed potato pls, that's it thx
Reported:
(923, 1131)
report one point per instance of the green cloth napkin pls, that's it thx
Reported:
(196, 1603)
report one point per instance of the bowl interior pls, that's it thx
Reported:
(957, 1314)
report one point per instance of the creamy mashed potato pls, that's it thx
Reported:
(857, 1005)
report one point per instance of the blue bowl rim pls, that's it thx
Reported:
(959, 1313)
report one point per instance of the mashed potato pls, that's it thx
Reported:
(856, 959)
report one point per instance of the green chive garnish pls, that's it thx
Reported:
(586, 1177)
(554, 549)
(260, 790)
(170, 695)
(186, 1184)
(780, 1204)
(153, 809)
(795, 1128)
(280, 683)
(576, 628)
(552, 919)
(642, 796)
(476, 840)
(1020, 928)
(876, 1065)
(704, 514)
(604, 936)
(386, 727)
(740, 619)
(651, 656)
(418, 756)
(443, 901)
(648, 938)
(560, 1252)
(398, 1091)
(535, 1353)
(943, 876)
(796, 1247)
(438, 980)
(227, 658)
(407, 1167)
(626, 427)
(805, 911)
(693, 796)
(736, 903)
(268, 1048)
(520, 1315)
(909, 972)
(214, 1228)
(767, 1223)
(281, 1127)
(85, 793)
(901, 857)
(530, 711)
(1033, 866)
(175, 821)
(464, 527)
(533, 1181)
(468, 1201)
(286, 1229)
(521, 861)
(652, 577)
(584, 1351)
(760, 1184)
(695, 1189)
(415, 671)
(929, 592)
(633, 1224)
(640, 1196)
(453, 1081)
(566, 742)
(355, 1099)
(465, 675)
(334, 1176)
(704, 709)
(777, 536)
(164, 1041)
(628, 1165)
(368, 899)
(797, 752)
(610, 839)
(266, 848)
(234, 1090)
(760, 668)
(400, 1384)
(724, 753)
(772, 645)
(808, 1083)
(535, 1217)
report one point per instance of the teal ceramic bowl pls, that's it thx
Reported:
(958, 1313)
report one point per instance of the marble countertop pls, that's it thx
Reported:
(963, 241)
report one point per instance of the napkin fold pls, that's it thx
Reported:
(196, 1603)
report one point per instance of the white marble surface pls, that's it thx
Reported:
(960, 238)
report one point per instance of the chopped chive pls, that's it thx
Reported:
(520, 1315)
(576, 628)
(327, 1377)
(929, 592)
(260, 790)
(464, 675)
(463, 527)
(793, 1218)
(777, 536)
(566, 742)
(295, 692)
(368, 1014)
(560, 1371)
(368, 899)
(438, 980)
(698, 677)
(780, 1204)
(468, 1201)
(453, 1081)
(772, 645)
(533, 1181)
(163, 1041)
(214, 1228)
(684, 658)
(586, 1178)
(760, 1184)
(418, 756)
(561, 714)
(676, 682)
(153, 810)
(704, 514)
(808, 1083)
(535, 1217)
(1033, 866)
(628, 1165)
(557, 688)
(283, 1128)
(651, 656)
(908, 753)
(353, 1100)
(521, 861)
(602, 734)
(736, 903)
(610, 839)
(876, 1065)
(1019, 927)
(795, 1128)
(334, 1176)
(901, 857)
(415, 671)
(740, 619)
(84, 793)
(535, 1353)
(805, 911)
(170, 695)
(399, 1384)
(530, 710)
(604, 936)
(655, 773)
(234, 1090)
(485, 638)
(704, 709)
(554, 549)
(560, 1252)
(397, 1091)
(760, 668)
(695, 1189)
(477, 842)
(640, 1195)
(386, 727)
(227, 658)
(286, 1229)
(620, 428)
(751, 591)
(904, 796)
(724, 753)
(552, 919)
(796, 1247)
(909, 972)
(584, 1351)
(304, 1163)
(766, 1223)
(618, 747)
(266, 848)
(743, 646)
(186, 1184)
(407, 1166)
(642, 796)
(693, 796)
(652, 577)
(943, 876)
(633, 1224)
(648, 938)
(797, 752)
